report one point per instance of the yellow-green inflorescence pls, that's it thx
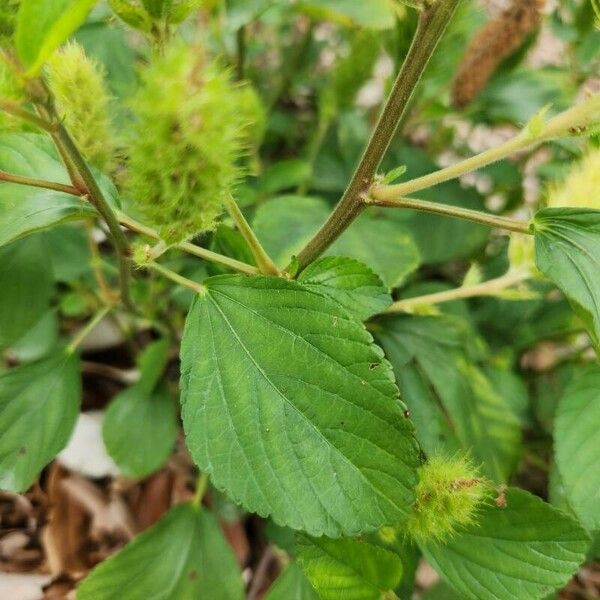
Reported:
(449, 493)
(191, 127)
(82, 101)
(581, 187)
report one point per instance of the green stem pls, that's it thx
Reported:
(99, 201)
(400, 190)
(455, 211)
(487, 288)
(189, 248)
(85, 331)
(175, 277)
(431, 26)
(16, 110)
(201, 484)
(40, 183)
(263, 260)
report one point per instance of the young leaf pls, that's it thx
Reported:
(38, 408)
(139, 429)
(292, 584)
(292, 409)
(27, 286)
(577, 443)
(520, 552)
(337, 567)
(567, 250)
(286, 223)
(348, 281)
(43, 25)
(183, 556)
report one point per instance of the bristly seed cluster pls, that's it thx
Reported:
(191, 129)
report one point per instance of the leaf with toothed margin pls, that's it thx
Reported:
(291, 408)
(520, 551)
(348, 281)
(567, 251)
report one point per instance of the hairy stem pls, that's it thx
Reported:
(16, 110)
(189, 248)
(263, 260)
(175, 277)
(432, 23)
(455, 211)
(487, 288)
(40, 183)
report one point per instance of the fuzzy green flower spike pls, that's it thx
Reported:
(448, 495)
(185, 144)
(77, 83)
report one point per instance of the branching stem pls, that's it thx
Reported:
(455, 211)
(189, 248)
(40, 183)
(87, 329)
(175, 277)
(487, 288)
(432, 23)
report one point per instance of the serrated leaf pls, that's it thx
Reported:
(350, 283)
(39, 403)
(577, 446)
(292, 584)
(184, 557)
(521, 552)
(140, 429)
(292, 409)
(348, 568)
(285, 224)
(24, 209)
(43, 25)
(567, 250)
(441, 349)
(27, 286)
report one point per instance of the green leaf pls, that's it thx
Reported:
(24, 209)
(39, 403)
(285, 224)
(521, 552)
(348, 568)
(43, 25)
(349, 282)
(577, 445)
(140, 429)
(439, 355)
(292, 584)
(292, 409)
(27, 286)
(152, 363)
(38, 342)
(375, 14)
(284, 175)
(184, 557)
(567, 250)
